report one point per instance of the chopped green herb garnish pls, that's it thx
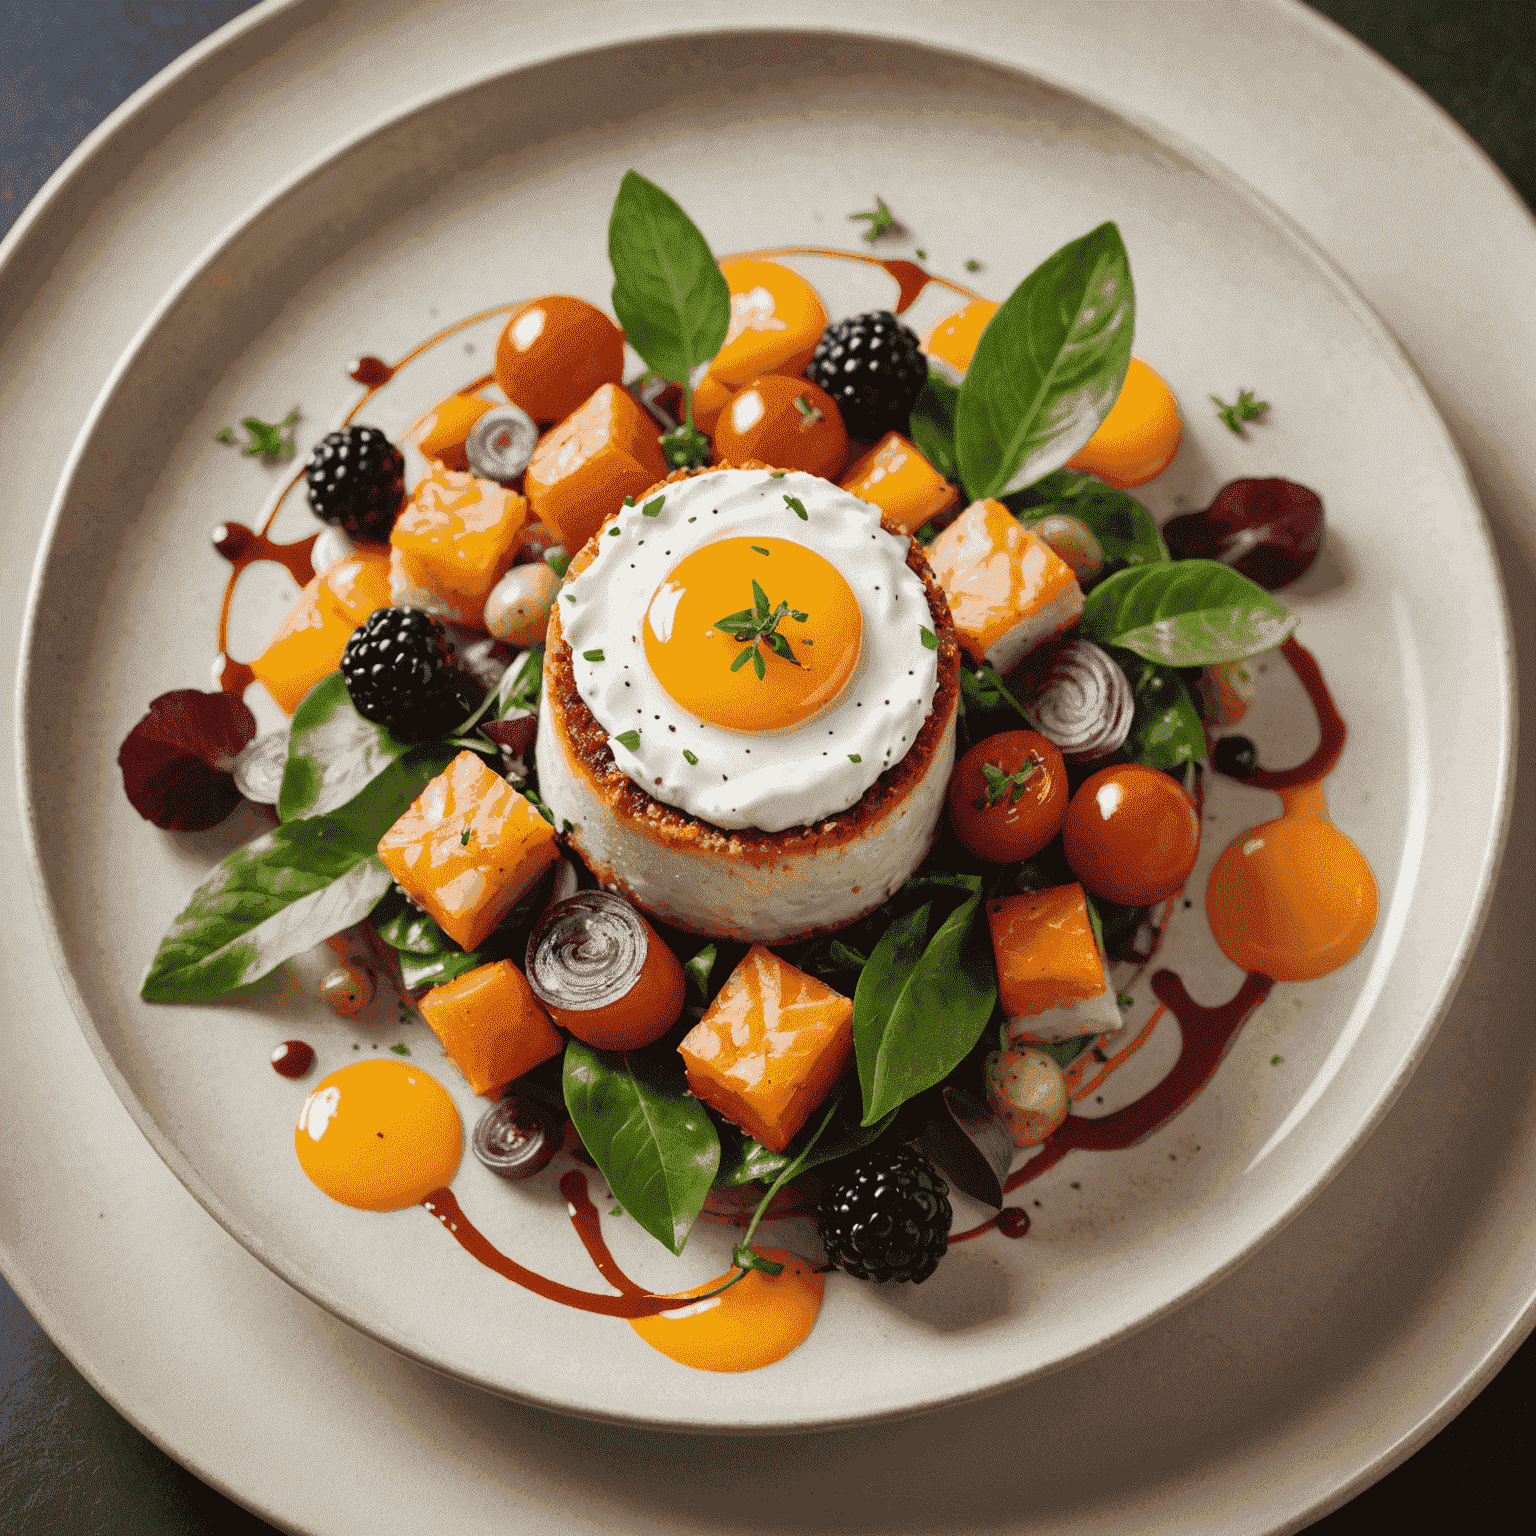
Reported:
(567, 827)
(557, 560)
(880, 220)
(653, 507)
(758, 626)
(930, 640)
(972, 265)
(693, 762)
(629, 739)
(1275, 1061)
(613, 532)
(224, 435)
(272, 440)
(1246, 409)
(628, 501)
(922, 255)
(592, 656)
(777, 474)
(464, 841)
(853, 757)
(570, 597)
(797, 506)
(1125, 999)
(401, 1050)
(759, 549)
(999, 783)
(809, 414)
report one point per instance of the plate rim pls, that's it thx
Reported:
(1321, 264)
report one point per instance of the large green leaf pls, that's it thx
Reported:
(920, 1007)
(652, 1139)
(287, 891)
(1166, 729)
(932, 424)
(1124, 528)
(668, 290)
(332, 752)
(1186, 613)
(1048, 367)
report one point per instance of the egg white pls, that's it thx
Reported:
(769, 780)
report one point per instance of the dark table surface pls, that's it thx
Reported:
(70, 1465)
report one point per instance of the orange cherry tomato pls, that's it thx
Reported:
(1132, 834)
(555, 352)
(786, 423)
(998, 815)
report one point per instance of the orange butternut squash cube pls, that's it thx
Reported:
(1051, 975)
(309, 643)
(467, 849)
(901, 482)
(769, 1048)
(458, 534)
(492, 1025)
(1008, 590)
(442, 433)
(583, 468)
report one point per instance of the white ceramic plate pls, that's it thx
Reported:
(129, 589)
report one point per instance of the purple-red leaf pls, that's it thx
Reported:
(178, 761)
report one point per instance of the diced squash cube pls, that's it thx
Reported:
(412, 587)
(1008, 590)
(309, 643)
(467, 849)
(1051, 977)
(492, 1025)
(459, 534)
(583, 468)
(901, 482)
(769, 1048)
(443, 431)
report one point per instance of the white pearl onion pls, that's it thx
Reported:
(1074, 542)
(517, 610)
(1028, 1094)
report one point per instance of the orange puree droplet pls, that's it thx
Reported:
(757, 1321)
(692, 656)
(1294, 898)
(379, 1135)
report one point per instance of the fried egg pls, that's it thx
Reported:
(754, 645)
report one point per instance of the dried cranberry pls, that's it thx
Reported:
(1269, 530)
(178, 761)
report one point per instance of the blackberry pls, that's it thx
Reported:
(401, 673)
(357, 482)
(874, 369)
(885, 1215)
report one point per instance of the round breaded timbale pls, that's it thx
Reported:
(745, 883)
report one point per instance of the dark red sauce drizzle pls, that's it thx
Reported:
(243, 547)
(370, 372)
(1329, 720)
(293, 1058)
(634, 1302)
(1011, 1221)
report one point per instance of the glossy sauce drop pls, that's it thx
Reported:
(293, 1058)
(1294, 898)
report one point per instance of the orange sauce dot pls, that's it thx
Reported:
(1136, 442)
(1293, 898)
(379, 1135)
(757, 1321)
(692, 656)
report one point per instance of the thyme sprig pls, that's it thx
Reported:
(1000, 784)
(758, 626)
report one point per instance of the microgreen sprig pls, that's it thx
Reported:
(999, 784)
(880, 219)
(272, 440)
(1246, 409)
(758, 626)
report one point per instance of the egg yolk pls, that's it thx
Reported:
(379, 1135)
(758, 1320)
(771, 596)
(1294, 898)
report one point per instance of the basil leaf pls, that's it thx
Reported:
(1048, 367)
(916, 1017)
(932, 424)
(652, 1139)
(744, 1159)
(1187, 613)
(287, 891)
(332, 752)
(520, 684)
(668, 290)
(1166, 729)
(1124, 528)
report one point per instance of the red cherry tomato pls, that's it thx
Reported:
(1007, 814)
(1132, 834)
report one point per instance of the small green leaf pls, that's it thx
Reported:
(592, 656)
(692, 761)
(651, 1138)
(797, 506)
(880, 219)
(1048, 367)
(653, 507)
(930, 640)
(744, 658)
(669, 293)
(760, 550)
(1246, 409)
(854, 757)
(1185, 613)
(757, 664)
(629, 739)
(931, 425)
